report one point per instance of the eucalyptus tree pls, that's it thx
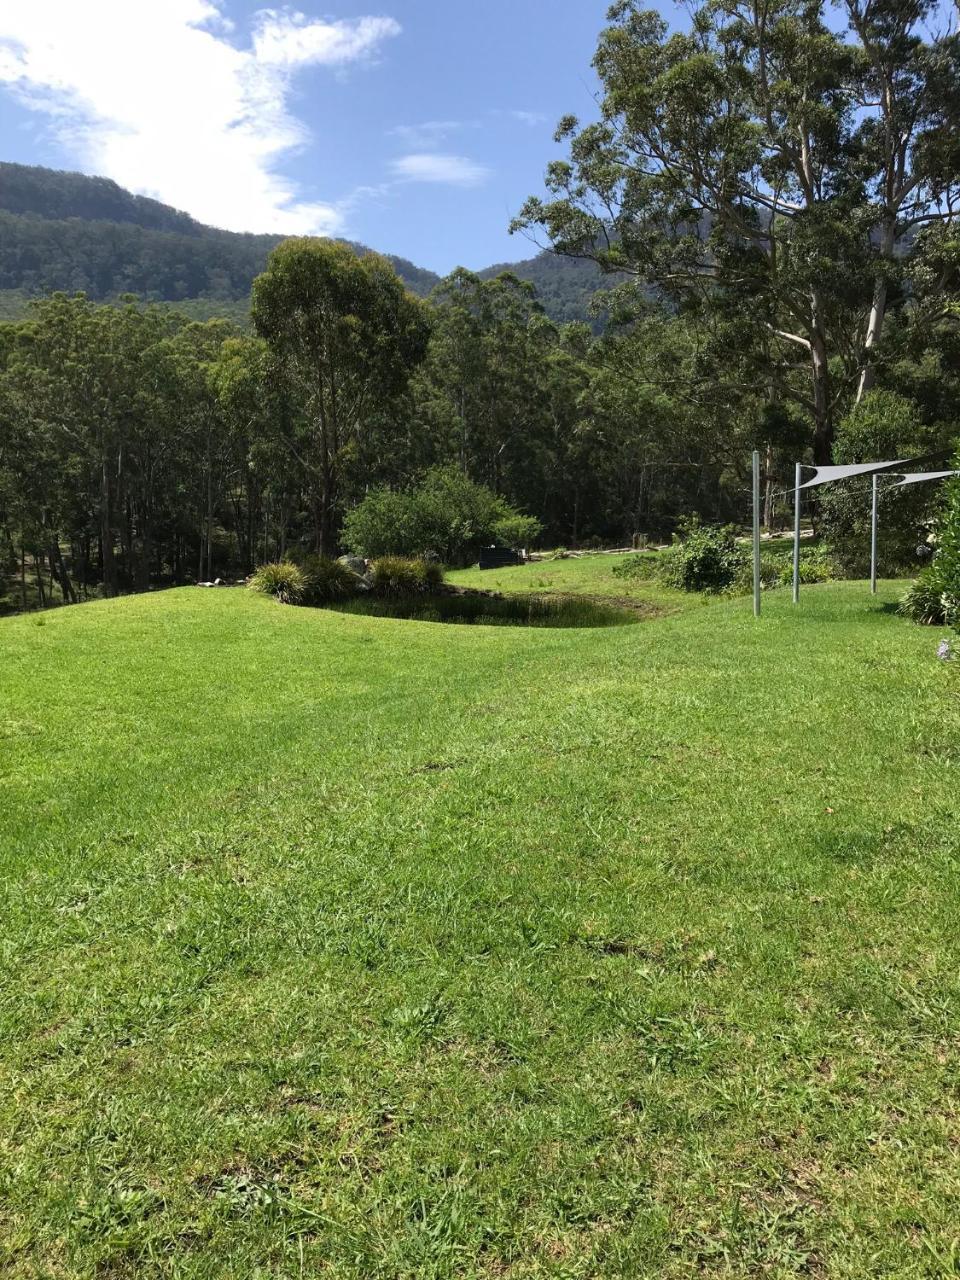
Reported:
(765, 164)
(346, 336)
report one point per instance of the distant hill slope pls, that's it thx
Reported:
(67, 231)
(565, 286)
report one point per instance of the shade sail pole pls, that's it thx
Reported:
(873, 539)
(756, 533)
(796, 535)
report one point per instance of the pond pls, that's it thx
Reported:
(476, 607)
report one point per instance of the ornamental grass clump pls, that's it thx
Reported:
(328, 580)
(283, 580)
(396, 576)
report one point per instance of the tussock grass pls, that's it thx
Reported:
(358, 947)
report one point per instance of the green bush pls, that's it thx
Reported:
(283, 580)
(396, 576)
(935, 596)
(708, 559)
(883, 426)
(517, 531)
(328, 580)
(817, 564)
(925, 600)
(947, 554)
(640, 566)
(446, 515)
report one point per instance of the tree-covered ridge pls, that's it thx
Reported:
(66, 231)
(70, 232)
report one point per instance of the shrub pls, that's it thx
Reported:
(947, 555)
(643, 565)
(517, 530)
(708, 559)
(817, 564)
(283, 580)
(924, 600)
(396, 576)
(446, 515)
(935, 596)
(884, 425)
(328, 580)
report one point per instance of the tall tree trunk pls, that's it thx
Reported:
(38, 572)
(109, 570)
(820, 369)
(59, 570)
(878, 308)
(209, 511)
(768, 488)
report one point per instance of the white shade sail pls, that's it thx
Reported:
(915, 477)
(825, 475)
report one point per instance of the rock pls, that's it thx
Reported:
(355, 564)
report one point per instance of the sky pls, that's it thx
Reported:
(417, 129)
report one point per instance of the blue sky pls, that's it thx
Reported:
(418, 128)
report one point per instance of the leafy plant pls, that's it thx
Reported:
(283, 580)
(935, 596)
(446, 515)
(328, 580)
(396, 575)
(639, 566)
(708, 559)
(517, 530)
(925, 600)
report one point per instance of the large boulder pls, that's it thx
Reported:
(356, 564)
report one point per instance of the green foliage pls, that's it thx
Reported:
(283, 580)
(947, 557)
(72, 232)
(447, 516)
(925, 600)
(344, 334)
(517, 531)
(935, 596)
(885, 425)
(327, 580)
(474, 607)
(641, 567)
(707, 559)
(398, 575)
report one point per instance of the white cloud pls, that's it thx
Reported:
(530, 118)
(153, 94)
(426, 136)
(457, 171)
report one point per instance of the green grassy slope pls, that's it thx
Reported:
(588, 576)
(365, 948)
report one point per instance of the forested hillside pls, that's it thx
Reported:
(66, 231)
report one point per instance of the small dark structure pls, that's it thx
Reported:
(499, 557)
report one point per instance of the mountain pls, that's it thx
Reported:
(67, 231)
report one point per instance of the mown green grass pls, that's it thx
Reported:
(591, 576)
(368, 948)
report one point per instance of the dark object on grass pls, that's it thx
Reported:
(499, 557)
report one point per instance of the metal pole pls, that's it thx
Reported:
(796, 536)
(873, 539)
(756, 533)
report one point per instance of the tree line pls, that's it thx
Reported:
(775, 202)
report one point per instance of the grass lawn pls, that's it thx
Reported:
(591, 576)
(355, 947)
